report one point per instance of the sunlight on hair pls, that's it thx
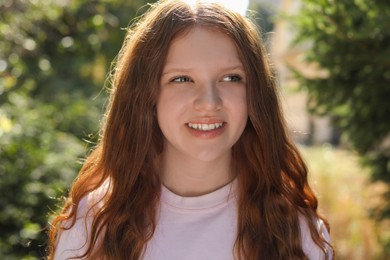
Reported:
(239, 6)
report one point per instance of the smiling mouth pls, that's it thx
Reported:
(205, 127)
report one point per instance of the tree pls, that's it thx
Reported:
(350, 41)
(54, 57)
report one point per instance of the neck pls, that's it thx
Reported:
(189, 177)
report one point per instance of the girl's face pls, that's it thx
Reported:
(202, 108)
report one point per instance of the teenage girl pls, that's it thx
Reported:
(194, 159)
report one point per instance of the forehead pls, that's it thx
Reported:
(202, 43)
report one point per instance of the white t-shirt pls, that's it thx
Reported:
(188, 228)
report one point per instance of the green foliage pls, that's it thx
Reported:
(37, 163)
(350, 41)
(54, 57)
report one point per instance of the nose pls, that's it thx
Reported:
(208, 98)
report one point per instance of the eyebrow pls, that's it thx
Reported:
(176, 69)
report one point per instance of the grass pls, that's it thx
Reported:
(346, 197)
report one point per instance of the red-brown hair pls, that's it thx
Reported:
(272, 176)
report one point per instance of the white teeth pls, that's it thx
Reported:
(205, 127)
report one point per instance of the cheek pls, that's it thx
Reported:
(163, 103)
(172, 101)
(161, 107)
(238, 102)
(163, 121)
(163, 118)
(240, 110)
(169, 109)
(241, 114)
(243, 102)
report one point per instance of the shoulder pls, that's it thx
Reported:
(311, 249)
(73, 240)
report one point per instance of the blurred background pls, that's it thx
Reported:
(332, 60)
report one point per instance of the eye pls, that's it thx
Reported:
(232, 78)
(181, 79)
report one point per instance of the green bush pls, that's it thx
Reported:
(350, 41)
(54, 57)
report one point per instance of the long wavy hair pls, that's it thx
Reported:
(273, 185)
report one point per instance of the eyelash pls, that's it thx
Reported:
(232, 78)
